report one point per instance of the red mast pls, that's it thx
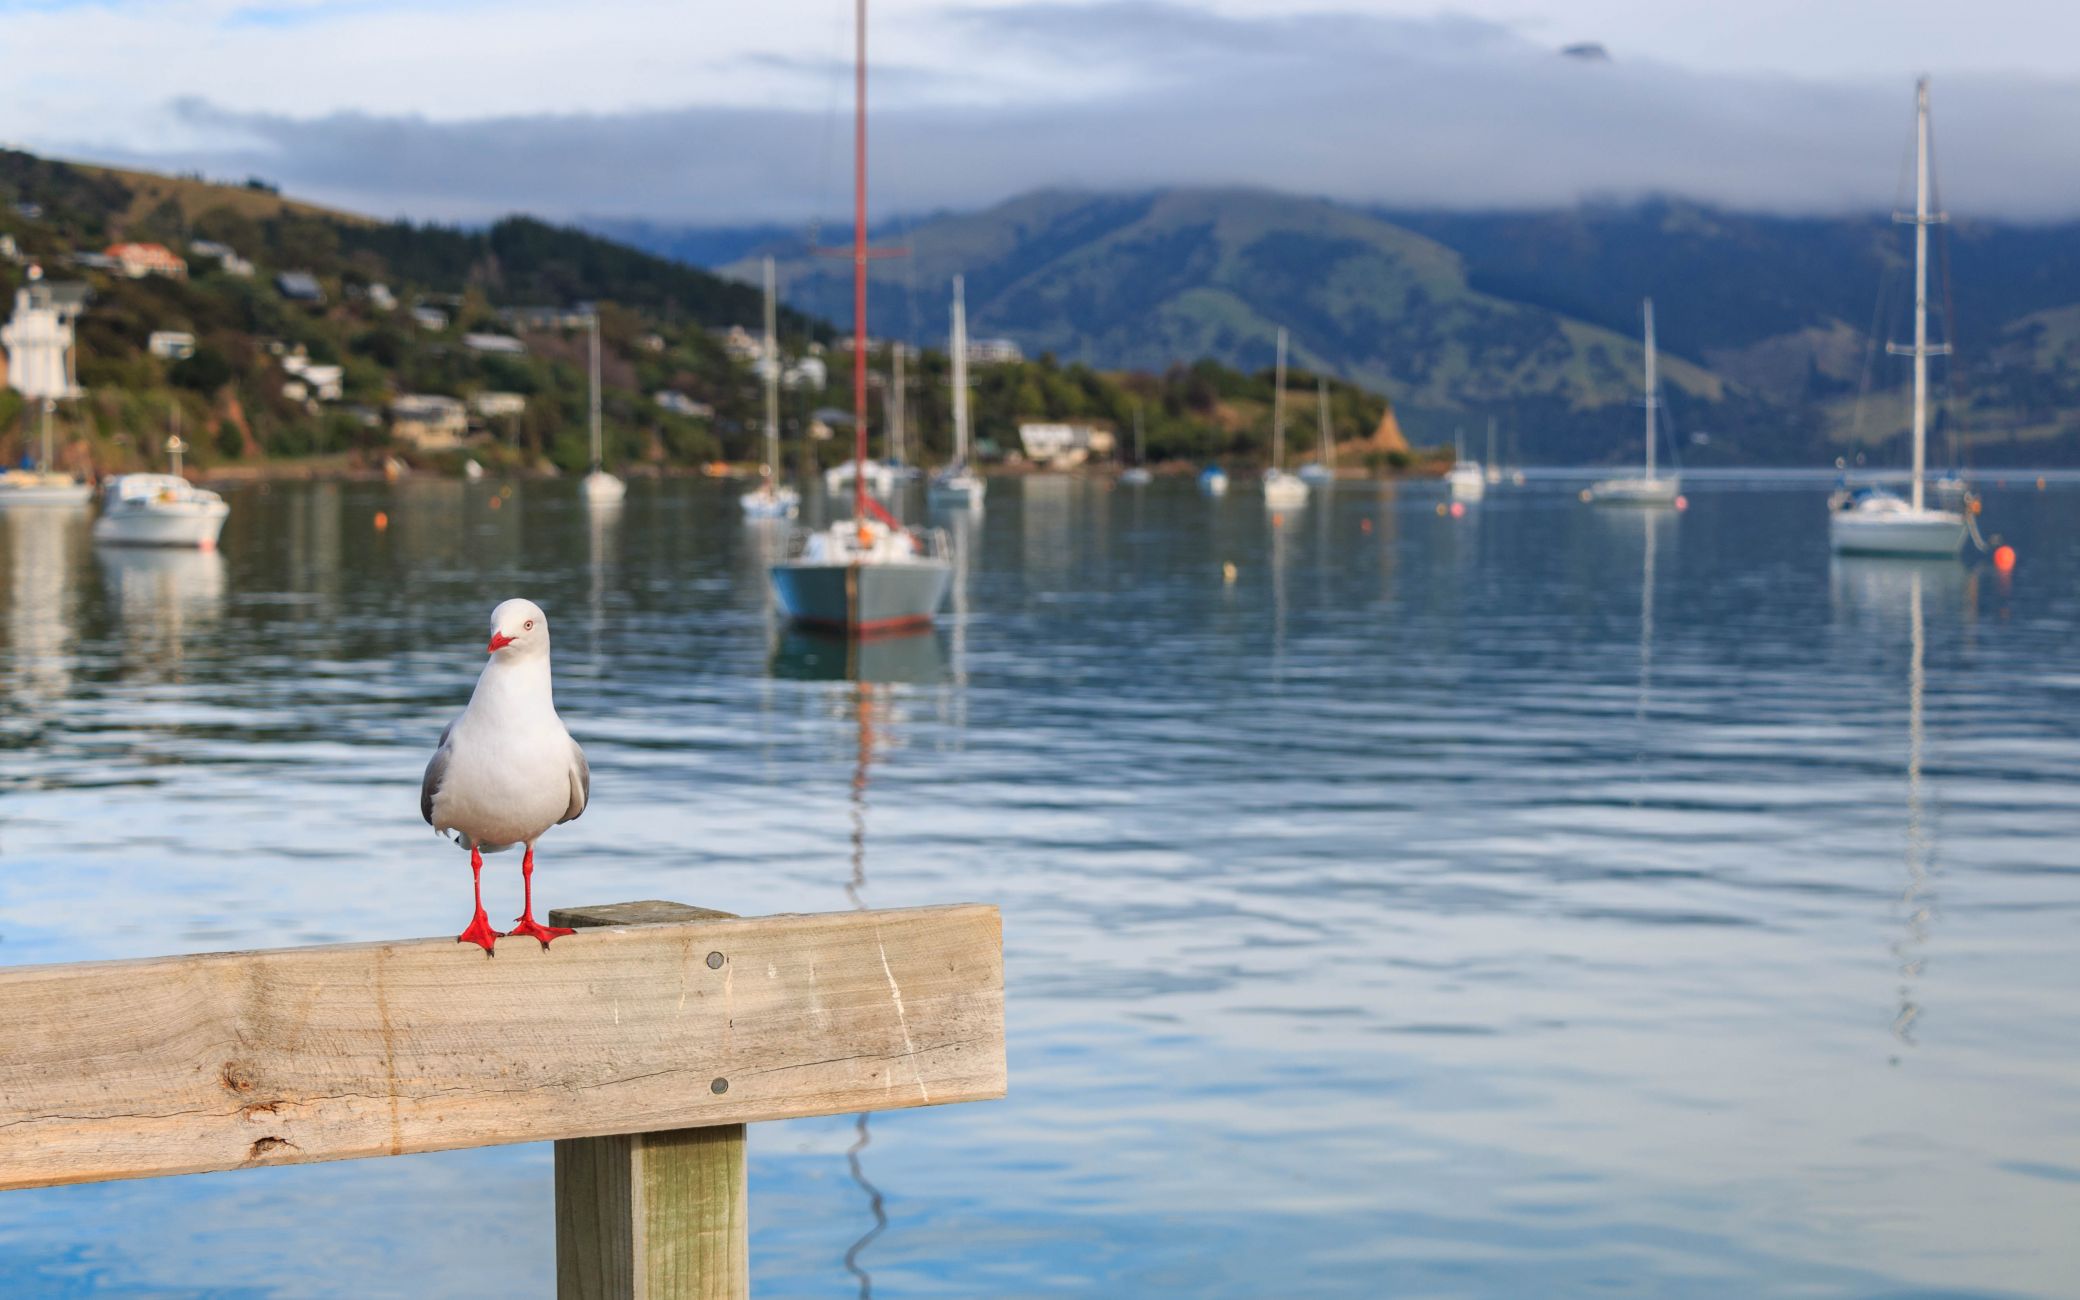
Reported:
(859, 276)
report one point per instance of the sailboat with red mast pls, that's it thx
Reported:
(869, 574)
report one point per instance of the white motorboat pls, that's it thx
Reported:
(771, 499)
(868, 574)
(1213, 481)
(1282, 491)
(1876, 522)
(957, 486)
(159, 510)
(1649, 488)
(43, 486)
(600, 487)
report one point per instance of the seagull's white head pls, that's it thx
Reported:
(519, 630)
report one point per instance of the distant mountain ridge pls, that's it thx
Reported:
(1767, 323)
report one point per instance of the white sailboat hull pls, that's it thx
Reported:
(1466, 482)
(958, 491)
(771, 503)
(1896, 532)
(603, 488)
(1316, 472)
(1636, 492)
(1284, 491)
(1137, 476)
(43, 491)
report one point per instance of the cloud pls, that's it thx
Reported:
(1447, 111)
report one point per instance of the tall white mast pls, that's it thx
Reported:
(1321, 411)
(960, 371)
(772, 380)
(598, 459)
(1653, 393)
(1278, 404)
(1921, 351)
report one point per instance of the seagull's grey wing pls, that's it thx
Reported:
(436, 771)
(581, 785)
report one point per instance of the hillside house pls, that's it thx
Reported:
(299, 286)
(224, 255)
(496, 344)
(1064, 446)
(140, 260)
(172, 345)
(430, 318)
(994, 352)
(322, 381)
(428, 422)
(680, 404)
(498, 406)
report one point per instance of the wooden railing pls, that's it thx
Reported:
(641, 1046)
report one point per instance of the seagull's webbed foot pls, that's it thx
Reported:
(480, 933)
(534, 929)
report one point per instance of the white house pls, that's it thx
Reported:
(326, 382)
(1064, 446)
(994, 352)
(809, 372)
(38, 338)
(430, 318)
(494, 406)
(681, 404)
(427, 421)
(173, 345)
(502, 344)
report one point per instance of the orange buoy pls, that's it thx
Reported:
(1458, 509)
(1278, 521)
(382, 520)
(1440, 510)
(1365, 526)
(2040, 482)
(2004, 558)
(496, 502)
(1682, 503)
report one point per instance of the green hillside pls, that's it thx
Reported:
(403, 309)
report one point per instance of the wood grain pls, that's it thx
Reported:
(233, 1060)
(653, 1216)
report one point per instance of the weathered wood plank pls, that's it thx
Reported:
(232, 1060)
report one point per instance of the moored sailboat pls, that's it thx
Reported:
(1322, 470)
(958, 486)
(601, 488)
(1137, 474)
(1464, 480)
(771, 499)
(1874, 521)
(867, 574)
(1650, 488)
(1282, 491)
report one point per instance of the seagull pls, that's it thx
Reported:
(506, 770)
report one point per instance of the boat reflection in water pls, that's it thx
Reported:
(39, 637)
(1876, 593)
(162, 597)
(877, 668)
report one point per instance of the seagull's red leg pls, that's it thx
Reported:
(479, 931)
(527, 924)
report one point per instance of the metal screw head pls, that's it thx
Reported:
(714, 961)
(719, 1086)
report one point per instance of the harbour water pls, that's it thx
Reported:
(1546, 901)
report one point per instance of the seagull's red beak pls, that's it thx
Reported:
(499, 640)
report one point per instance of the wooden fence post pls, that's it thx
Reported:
(652, 1216)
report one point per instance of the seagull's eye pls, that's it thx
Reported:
(528, 626)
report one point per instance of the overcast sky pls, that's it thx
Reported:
(721, 112)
